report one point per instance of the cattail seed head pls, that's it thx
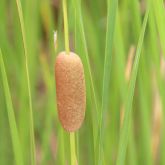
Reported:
(71, 92)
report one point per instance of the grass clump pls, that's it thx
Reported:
(117, 90)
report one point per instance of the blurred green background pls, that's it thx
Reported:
(105, 35)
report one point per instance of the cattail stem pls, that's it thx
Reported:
(72, 148)
(66, 27)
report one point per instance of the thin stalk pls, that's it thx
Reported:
(72, 148)
(66, 26)
(32, 141)
(72, 135)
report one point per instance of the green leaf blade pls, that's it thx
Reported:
(129, 99)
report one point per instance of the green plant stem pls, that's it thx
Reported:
(72, 148)
(66, 26)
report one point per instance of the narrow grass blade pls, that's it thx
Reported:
(11, 116)
(111, 19)
(129, 99)
(32, 139)
(158, 7)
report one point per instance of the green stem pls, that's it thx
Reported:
(66, 27)
(72, 148)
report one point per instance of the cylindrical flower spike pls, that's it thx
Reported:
(71, 92)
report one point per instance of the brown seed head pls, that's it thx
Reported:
(71, 92)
